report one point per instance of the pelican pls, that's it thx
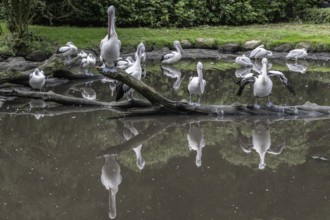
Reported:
(196, 142)
(88, 63)
(82, 54)
(173, 56)
(111, 179)
(243, 61)
(196, 85)
(262, 84)
(260, 52)
(110, 45)
(112, 84)
(37, 79)
(88, 93)
(295, 67)
(37, 104)
(296, 54)
(124, 63)
(174, 73)
(135, 71)
(261, 143)
(242, 72)
(67, 51)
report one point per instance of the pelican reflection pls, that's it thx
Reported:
(295, 67)
(196, 142)
(111, 179)
(260, 142)
(173, 73)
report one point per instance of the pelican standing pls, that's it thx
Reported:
(110, 45)
(37, 79)
(173, 56)
(260, 52)
(135, 71)
(111, 179)
(196, 142)
(67, 51)
(196, 85)
(296, 54)
(88, 63)
(243, 61)
(262, 84)
(124, 63)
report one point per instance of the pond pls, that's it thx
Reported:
(94, 165)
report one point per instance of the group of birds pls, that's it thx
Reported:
(110, 58)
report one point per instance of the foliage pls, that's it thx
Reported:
(316, 16)
(169, 13)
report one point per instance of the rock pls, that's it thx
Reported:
(186, 44)
(37, 56)
(305, 45)
(230, 48)
(18, 63)
(205, 43)
(283, 48)
(250, 45)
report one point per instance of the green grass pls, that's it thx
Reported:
(270, 35)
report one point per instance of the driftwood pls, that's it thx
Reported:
(156, 103)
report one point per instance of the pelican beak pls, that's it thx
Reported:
(109, 26)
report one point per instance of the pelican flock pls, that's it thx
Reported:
(110, 44)
(37, 79)
(173, 56)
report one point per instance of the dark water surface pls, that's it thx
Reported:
(92, 165)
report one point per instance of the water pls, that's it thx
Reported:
(61, 166)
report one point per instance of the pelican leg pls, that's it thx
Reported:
(256, 105)
(269, 103)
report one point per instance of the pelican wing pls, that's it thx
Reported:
(248, 79)
(167, 56)
(283, 79)
(63, 49)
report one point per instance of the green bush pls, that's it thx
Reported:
(171, 13)
(316, 16)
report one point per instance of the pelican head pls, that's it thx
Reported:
(111, 10)
(264, 61)
(177, 46)
(269, 53)
(261, 166)
(199, 66)
(69, 43)
(141, 48)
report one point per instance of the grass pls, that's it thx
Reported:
(270, 34)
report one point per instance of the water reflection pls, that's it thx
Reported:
(173, 73)
(37, 103)
(111, 179)
(196, 141)
(260, 141)
(128, 132)
(86, 92)
(295, 67)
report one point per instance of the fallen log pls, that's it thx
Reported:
(156, 103)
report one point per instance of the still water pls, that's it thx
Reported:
(93, 165)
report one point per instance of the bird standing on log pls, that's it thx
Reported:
(37, 79)
(197, 84)
(110, 44)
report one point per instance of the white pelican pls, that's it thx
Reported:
(196, 142)
(174, 73)
(88, 93)
(243, 61)
(124, 63)
(88, 63)
(82, 54)
(295, 67)
(296, 54)
(37, 79)
(262, 84)
(261, 143)
(67, 51)
(242, 72)
(260, 52)
(110, 45)
(173, 56)
(111, 179)
(135, 71)
(196, 85)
